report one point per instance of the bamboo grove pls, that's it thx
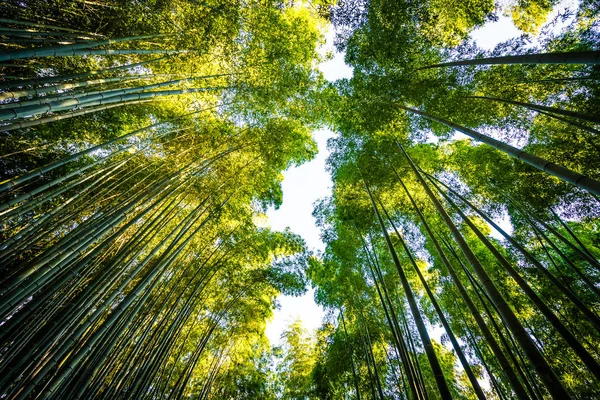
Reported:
(142, 141)
(462, 257)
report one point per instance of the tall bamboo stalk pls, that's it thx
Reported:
(541, 366)
(591, 185)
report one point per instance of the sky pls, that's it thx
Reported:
(302, 186)
(305, 184)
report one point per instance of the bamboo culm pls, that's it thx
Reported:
(543, 369)
(574, 57)
(433, 361)
(591, 185)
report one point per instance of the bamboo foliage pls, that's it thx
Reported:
(94, 255)
(142, 143)
(507, 342)
(498, 254)
(131, 264)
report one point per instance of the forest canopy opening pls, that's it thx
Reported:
(142, 141)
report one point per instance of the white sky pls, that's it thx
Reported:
(305, 184)
(302, 186)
